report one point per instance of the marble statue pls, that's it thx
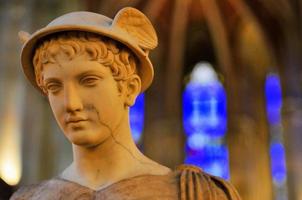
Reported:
(91, 68)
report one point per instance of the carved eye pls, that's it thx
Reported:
(89, 80)
(53, 87)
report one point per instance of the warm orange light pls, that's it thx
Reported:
(10, 172)
(10, 148)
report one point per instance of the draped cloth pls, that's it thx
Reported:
(197, 185)
(185, 183)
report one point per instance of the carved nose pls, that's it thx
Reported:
(72, 99)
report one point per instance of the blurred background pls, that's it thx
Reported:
(227, 93)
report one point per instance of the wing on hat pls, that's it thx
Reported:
(138, 26)
(23, 36)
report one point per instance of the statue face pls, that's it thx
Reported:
(84, 98)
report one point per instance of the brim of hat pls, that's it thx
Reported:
(145, 68)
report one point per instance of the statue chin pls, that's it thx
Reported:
(86, 138)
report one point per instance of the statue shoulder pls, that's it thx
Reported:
(196, 184)
(48, 189)
(25, 192)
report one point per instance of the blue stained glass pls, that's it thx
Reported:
(204, 121)
(212, 159)
(137, 117)
(197, 141)
(204, 108)
(277, 153)
(273, 98)
(278, 166)
(200, 140)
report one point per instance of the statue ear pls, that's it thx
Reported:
(132, 89)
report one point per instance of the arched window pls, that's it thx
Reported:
(204, 119)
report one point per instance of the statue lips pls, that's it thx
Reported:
(74, 120)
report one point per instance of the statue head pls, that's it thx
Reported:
(90, 82)
(91, 68)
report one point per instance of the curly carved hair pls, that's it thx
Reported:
(106, 51)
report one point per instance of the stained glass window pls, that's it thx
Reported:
(204, 120)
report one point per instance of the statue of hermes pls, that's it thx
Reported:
(91, 69)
